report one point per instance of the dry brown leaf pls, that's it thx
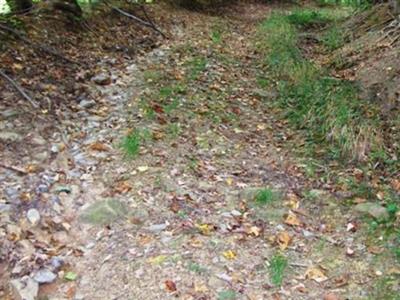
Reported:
(395, 183)
(253, 230)
(122, 187)
(170, 285)
(331, 296)
(98, 146)
(292, 219)
(283, 239)
(316, 274)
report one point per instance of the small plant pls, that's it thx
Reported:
(196, 268)
(131, 144)
(227, 295)
(265, 196)
(277, 267)
(197, 65)
(333, 38)
(173, 130)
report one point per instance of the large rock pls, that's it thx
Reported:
(44, 276)
(104, 212)
(10, 136)
(373, 209)
(24, 288)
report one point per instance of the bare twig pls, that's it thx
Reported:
(15, 169)
(137, 19)
(39, 47)
(19, 89)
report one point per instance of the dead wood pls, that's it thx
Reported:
(19, 89)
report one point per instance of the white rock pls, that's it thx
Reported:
(24, 288)
(33, 216)
(44, 276)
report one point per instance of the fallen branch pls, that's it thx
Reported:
(19, 89)
(137, 19)
(15, 169)
(38, 47)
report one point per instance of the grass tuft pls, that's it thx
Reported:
(131, 144)
(328, 110)
(265, 196)
(277, 267)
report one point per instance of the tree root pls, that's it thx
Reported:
(19, 89)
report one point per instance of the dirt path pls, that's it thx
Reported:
(211, 207)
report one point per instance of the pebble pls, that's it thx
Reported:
(44, 276)
(102, 79)
(87, 103)
(33, 216)
(10, 136)
(157, 227)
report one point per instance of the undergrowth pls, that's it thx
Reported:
(329, 110)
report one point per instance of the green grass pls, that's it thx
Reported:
(333, 38)
(265, 196)
(196, 65)
(227, 295)
(329, 111)
(131, 144)
(277, 267)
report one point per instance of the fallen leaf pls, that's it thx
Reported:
(316, 274)
(229, 254)
(375, 249)
(98, 146)
(142, 168)
(292, 219)
(283, 239)
(157, 260)
(170, 285)
(122, 187)
(331, 296)
(205, 229)
(70, 276)
(395, 183)
(253, 230)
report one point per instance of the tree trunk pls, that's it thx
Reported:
(19, 5)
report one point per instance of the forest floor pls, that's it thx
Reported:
(178, 182)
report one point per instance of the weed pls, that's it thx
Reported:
(131, 144)
(333, 38)
(328, 109)
(265, 196)
(227, 295)
(173, 130)
(196, 65)
(152, 76)
(196, 268)
(277, 267)
(309, 18)
(216, 35)
(168, 108)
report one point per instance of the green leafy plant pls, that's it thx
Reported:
(131, 144)
(277, 267)
(265, 196)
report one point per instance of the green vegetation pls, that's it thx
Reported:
(333, 38)
(131, 144)
(277, 267)
(265, 196)
(327, 109)
(227, 295)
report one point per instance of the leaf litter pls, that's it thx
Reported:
(200, 184)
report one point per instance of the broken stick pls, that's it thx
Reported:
(19, 89)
